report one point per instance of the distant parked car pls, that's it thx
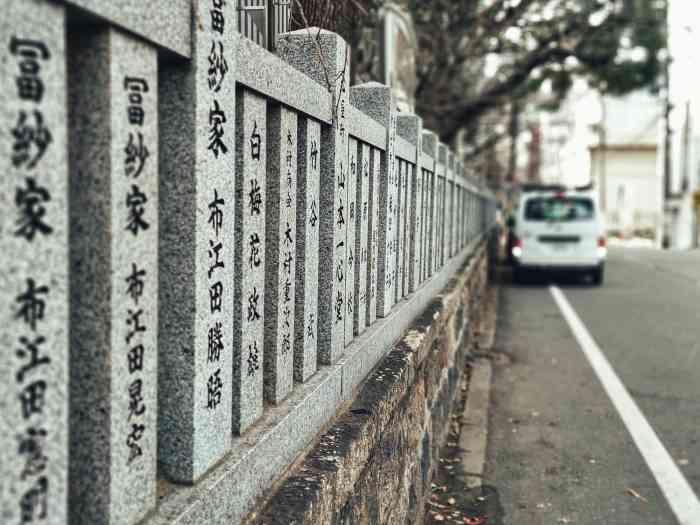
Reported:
(558, 229)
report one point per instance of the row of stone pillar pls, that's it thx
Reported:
(180, 251)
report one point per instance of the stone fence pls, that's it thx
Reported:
(206, 248)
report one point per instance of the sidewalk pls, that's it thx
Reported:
(458, 495)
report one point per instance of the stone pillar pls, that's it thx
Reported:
(406, 240)
(362, 238)
(442, 205)
(377, 101)
(297, 49)
(397, 255)
(113, 102)
(281, 253)
(459, 210)
(468, 213)
(34, 248)
(307, 268)
(472, 224)
(351, 253)
(473, 212)
(375, 175)
(425, 201)
(410, 127)
(449, 232)
(456, 212)
(430, 142)
(464, 212)
(400, 227)
(251, 259)
(197, 105)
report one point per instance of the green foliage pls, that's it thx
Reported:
(538, 48)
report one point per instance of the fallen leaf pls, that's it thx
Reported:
(439, 517)
(476, 520)
(451, 501)
(564, 520)
(636, 494)
(683, 462)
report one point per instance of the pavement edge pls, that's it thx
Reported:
(473, 436)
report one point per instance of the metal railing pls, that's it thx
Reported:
(263, 20)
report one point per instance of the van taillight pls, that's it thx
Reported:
(517, 241)
(601, 242)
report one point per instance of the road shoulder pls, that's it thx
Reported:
(557, 450)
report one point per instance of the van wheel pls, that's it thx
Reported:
(597, 276)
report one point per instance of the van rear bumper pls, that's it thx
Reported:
(562, 266)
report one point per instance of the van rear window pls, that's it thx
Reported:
(559, 209)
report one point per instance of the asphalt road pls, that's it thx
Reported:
(559, 451)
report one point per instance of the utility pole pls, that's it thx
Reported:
(513, 131)
(603, 138)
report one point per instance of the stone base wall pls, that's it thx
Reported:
(375, 462)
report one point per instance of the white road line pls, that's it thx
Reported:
(673, 484)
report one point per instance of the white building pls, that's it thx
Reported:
(624, 164)
(684, 134)
(612, 143)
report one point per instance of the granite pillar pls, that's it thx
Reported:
(280, 253)
(451, 165)
(374, 215)
(197, 106)
(443, 152)
(430, 143)
(34, 249)
(402, 170)
(420, 226)
(362, 238)
(325, 60)
(113, 103)
(425, 207)
(459, 211)
(351, 254)
(251, 259)
(405, 227)
(307, 268)
(377, 101)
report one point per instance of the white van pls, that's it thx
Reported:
(559, 229)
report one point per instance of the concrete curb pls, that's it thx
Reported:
(473, 436)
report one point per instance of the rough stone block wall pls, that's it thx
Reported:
(375, 463)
